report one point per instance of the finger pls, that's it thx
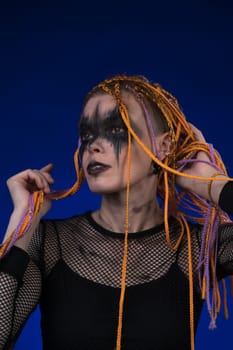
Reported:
(197, 133)
(38, 180)
(32, 180)
(48, 168)
(47, 176)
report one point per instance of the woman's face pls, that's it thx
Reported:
(104, 139)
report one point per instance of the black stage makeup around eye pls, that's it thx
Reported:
(110, 127)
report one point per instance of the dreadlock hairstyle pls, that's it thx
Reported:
(158, 104)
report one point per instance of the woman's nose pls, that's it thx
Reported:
(96, 146)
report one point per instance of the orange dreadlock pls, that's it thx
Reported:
(184, 147)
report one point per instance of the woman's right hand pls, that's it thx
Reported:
(28, 181)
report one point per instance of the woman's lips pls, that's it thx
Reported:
(95, 168)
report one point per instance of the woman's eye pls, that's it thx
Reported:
(116, 130)
(86, 136)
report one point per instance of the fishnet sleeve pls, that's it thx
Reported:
(225, 251)
(20, 288)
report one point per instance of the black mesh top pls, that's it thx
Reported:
(73, 269)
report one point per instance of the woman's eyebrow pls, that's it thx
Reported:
(115, 115)
(84, 123)
(98, 118)
(108, 118)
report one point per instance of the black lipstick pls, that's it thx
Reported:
(95, 168)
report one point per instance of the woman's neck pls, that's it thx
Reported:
(143, 214)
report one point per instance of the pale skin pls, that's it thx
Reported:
(144, 211)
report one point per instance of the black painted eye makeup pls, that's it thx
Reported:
(110, 127)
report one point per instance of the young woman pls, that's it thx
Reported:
(132, 274)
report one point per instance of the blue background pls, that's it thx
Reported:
(52, 53)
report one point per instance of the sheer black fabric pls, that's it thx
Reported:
(73, 268)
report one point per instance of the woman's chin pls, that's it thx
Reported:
(104, 189)
(101, 191)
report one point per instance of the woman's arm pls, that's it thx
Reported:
(20, 288)
(20, 273)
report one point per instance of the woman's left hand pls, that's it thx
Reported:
(204, 168)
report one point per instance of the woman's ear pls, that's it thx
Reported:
(164, 145)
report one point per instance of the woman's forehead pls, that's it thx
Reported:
(100, 104)
(103, 104)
